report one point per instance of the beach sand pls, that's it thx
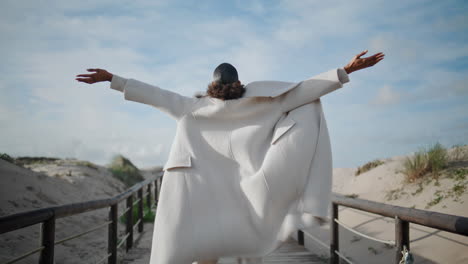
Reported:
(386, 184)
(67, 181)
(51, 184)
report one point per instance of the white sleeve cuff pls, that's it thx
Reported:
(118, 83)
(343, 76)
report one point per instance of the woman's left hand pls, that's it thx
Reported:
(358, 63)
(99, 75)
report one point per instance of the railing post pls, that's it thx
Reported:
(148, 196)
(47, 241)
(140, 210)
(129, 219)
(334, 242)
(401, 237)
(156, 191)
(300, 237)
(112, 235)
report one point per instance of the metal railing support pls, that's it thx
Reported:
(401, 237)
(334, 242)
(129, 222)
(112, 235)
(47, 241)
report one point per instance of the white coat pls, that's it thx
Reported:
(241, 174)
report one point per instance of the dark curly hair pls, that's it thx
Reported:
(228, 91)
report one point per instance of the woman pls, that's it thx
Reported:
(248, 164)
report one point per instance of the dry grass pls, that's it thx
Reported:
(7, 157)
(368, 166)
(459, 153)
(124, 170)
(87, 164)
(425, 161)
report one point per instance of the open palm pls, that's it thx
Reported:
(358, 63)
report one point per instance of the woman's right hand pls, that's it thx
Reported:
(358, 63)
(99, 75)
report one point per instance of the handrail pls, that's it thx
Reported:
(20, 220)
(447, 222)
(403, 217)
(9, 223)
(48, 216)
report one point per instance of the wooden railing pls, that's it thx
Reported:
(48, 216)
(403, 217)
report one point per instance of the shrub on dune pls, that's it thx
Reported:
(368, 166)
(437, 159)
(425, 161)
(124, 170)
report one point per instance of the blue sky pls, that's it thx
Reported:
(415, 97)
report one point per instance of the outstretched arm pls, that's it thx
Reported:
(322, 84)
(169, 102)
(358, 63)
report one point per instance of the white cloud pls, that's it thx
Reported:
(44, 111)
(460, 88)
(386, 96)
(253, 6)
(61, 117)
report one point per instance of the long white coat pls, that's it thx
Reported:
(242, 174)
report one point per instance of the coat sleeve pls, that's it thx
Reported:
(313, 88)
(174, 104)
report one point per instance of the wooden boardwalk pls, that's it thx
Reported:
(290, 252)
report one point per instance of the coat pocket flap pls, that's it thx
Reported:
(282, 127)
(178, 161)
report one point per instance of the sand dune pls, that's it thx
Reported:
(50, 184)
(386, 184)
(65, 181)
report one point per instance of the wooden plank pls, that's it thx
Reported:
(112, 235)
(148, 195)
(156, 188)
(17, 221)
(140, 210)
(129, 223)
(401, 238)
(300, 237)
(47, 241)
(335, 240)
(289, 252)
(141, 252)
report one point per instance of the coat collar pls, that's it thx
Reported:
(267, 88)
